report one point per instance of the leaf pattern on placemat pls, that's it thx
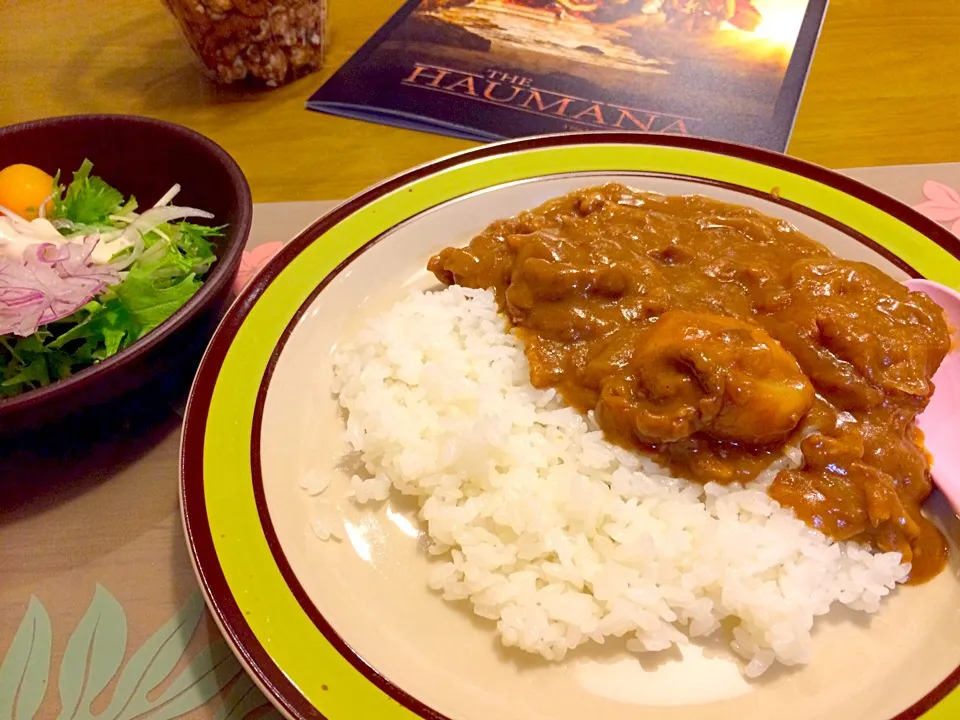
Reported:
(25, 670)
(208, 673)
(243, 699)
(94, 657)
(153, 662)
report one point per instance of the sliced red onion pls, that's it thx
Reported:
(15, 297)
(47, 252)
(20, 320)
(45, 287)
(78, 252)
(78, 264)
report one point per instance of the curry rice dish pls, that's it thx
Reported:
(695, 420)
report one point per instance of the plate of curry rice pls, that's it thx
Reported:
(587, 425)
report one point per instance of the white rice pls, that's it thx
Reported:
(558, 536)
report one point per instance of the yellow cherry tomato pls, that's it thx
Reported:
(23, 188)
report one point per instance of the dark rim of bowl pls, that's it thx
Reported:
(220, 275)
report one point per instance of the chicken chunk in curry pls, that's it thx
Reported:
(692, 373)
(712, 337)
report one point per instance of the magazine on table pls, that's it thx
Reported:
(493, 69)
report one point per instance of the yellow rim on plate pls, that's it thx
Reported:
(289, 654)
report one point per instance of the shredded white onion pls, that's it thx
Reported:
(148, 222)
(42, 211)
(154, 250)
(159, 215)
(168, 196)
(128, 260)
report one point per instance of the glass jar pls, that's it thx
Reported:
(265, 41)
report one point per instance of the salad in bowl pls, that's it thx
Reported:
(86, 271)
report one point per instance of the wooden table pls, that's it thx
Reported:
(872, 98)
(91, 550)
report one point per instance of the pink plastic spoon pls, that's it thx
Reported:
(940, 421)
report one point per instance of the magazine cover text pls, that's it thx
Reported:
(730, 69)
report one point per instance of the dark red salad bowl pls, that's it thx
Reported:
(142, 157)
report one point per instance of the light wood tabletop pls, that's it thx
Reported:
(884, 89)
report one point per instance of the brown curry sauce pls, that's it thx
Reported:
(712, 336)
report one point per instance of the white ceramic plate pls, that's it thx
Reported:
(349, 629)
